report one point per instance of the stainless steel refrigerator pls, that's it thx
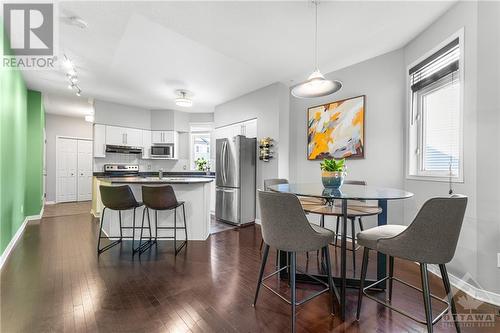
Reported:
(235, 180)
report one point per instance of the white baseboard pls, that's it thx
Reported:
(17, 236)
(257, 221)
(469, 289)
(50, 202)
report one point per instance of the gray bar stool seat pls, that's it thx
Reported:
(162, 198)
(286, 228)
(117, 198)
(430, 239)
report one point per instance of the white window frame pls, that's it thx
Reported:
(414, 131)
(209, 131)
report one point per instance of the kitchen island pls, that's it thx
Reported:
(194, 191)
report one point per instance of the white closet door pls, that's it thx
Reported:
(66, 157)
(84, 170)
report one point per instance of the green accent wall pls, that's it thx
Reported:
(21, 122)
(33, 196)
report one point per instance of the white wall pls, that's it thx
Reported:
(56, 125)
(269, 106)
(109, 113)
(479, 243)
(382, 80)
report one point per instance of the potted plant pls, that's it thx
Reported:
(201, 164)
(332, 172)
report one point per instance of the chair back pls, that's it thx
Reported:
(118, 197)
(284, 223)
(274, 181)
(432, 237)
(159, 197)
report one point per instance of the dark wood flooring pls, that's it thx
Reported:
(54, 282)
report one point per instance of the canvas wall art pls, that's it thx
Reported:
(336, 130)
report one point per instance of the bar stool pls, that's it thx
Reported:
(286, 228)
(117, 198)
(162, 198)
(430, 239)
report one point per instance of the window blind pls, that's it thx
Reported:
(435, 67)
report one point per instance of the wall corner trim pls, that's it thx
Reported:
(12, 244)
(473, 291)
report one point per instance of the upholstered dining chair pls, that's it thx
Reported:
(286, 228)
(430, 239)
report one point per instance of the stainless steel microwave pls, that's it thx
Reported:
(162, 151)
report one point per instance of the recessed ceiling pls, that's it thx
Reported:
(139, 53)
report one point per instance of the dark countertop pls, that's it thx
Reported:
(182, 174)
(156, 180)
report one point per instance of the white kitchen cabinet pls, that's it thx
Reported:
(247, 128)
(250, 128)
(133, 137)
(99, 140)
(167, 137)
(123, 136)
(146, 144)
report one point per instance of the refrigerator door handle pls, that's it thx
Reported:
(224, 161)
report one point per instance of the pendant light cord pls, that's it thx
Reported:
(316, 35)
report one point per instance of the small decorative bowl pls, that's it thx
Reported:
(332, 179)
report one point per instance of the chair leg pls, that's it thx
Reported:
(427, 296)
(353, 243)
(364, 267)
(391, 274)
(336, 231)
(133, 233)
(361, 227)
(293, 291)
(156, 225)
(329, 276)
(142, 228)
(447, 288)
(100, 231)
(322, 225)
(175, 231)
(261, 272)
(120, 220)
(185, 223)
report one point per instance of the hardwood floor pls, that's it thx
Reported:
(55, 282)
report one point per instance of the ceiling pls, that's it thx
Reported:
(139, 53)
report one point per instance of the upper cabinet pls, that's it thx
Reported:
(146, 144)
(247, 128)
(99, 140)
(163, 137)
(123, 136)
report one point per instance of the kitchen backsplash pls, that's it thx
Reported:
(144, 165)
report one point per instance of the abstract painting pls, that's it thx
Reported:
(336, 130)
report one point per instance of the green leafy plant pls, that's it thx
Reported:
(333, 165)
(201, 164)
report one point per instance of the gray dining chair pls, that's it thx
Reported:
(286, 228)
(430, 239)
(303, 200)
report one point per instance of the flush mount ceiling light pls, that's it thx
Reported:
(184, 98)
(316, 84)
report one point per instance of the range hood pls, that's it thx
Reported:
(123, 149)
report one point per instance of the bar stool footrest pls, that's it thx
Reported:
(400, 311)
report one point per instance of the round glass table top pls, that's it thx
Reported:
(347, 191)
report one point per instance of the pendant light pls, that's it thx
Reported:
(316, 84)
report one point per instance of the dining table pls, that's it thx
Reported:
(332, 196)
